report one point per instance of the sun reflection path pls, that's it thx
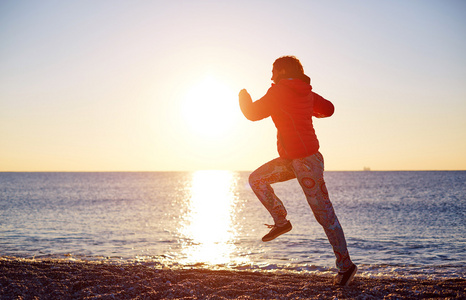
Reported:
(207, 227)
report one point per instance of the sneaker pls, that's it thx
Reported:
(276, 231)
(345, 278)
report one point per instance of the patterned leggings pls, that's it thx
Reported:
(310, 173)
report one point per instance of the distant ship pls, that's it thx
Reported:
(366, 169)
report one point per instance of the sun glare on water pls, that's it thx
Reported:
(210, 108)
(208, 224)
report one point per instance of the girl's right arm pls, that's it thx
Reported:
(322, 107)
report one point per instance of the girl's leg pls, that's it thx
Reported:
(310, 174)
(260, 180)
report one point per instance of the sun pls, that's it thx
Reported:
(210, 108)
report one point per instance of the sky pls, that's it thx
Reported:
(152, 85)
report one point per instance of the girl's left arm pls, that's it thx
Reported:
(253, 111)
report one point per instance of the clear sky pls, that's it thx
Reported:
(153, 85)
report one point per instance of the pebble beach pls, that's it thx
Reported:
(63, 279)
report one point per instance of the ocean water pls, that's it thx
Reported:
(407, 224)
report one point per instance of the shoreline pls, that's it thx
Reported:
(58, 279)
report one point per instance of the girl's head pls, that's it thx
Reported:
(287, 67)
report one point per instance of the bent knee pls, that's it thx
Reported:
(256, 182)
(253, 180)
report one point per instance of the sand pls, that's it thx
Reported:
(58, 279)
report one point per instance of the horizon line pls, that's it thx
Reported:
(160, 171)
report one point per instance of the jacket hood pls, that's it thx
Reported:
(300, 87)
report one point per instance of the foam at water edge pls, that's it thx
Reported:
(366, 271)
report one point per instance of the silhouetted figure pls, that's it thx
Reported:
(291, 103)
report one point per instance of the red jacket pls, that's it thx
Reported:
(291, 103)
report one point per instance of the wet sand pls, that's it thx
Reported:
(58, 279)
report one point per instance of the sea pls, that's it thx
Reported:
(407, 224)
